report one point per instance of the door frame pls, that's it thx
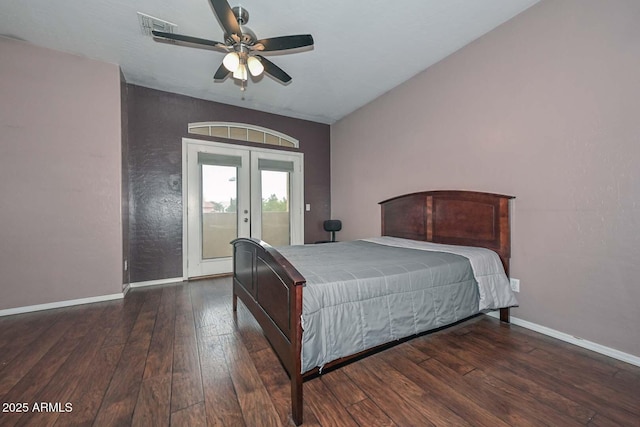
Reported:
(297, 190)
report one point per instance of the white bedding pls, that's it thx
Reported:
(493, 283)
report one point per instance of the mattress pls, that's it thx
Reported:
(362, 294)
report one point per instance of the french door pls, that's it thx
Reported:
(236, 191)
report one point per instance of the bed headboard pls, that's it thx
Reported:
(451, 217)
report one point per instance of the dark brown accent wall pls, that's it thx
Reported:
(157, 122)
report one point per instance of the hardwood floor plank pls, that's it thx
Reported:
(577, 360)
(597, 393)
(444, 354)
(186, 385)
(412, 353)
(211, 302)
(503, 334)
(145, 321)
(33, 382)
(367, 413)
(566, 348)
(13, 328)
(122, 321)
(221, 402)
(192, 416)
(387, 399)
(160, 356)
(88, 395)
(276, 381)
(66, 379)
(433, 409)
(342, 387)
(544, 374)
(152, 406)
(628, 379)
(257, 407)
(183, 299)
(601, 421)
(441, 391)
(308, 420)
(604, 385)
(184, 325)
(23, 331)
(32, 352)
(517, 379)
(499, 405)
(249, 330)
(168, 295)
(543, 412)
(120, 398)
(328, 410)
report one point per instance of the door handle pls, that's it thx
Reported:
(246, 220)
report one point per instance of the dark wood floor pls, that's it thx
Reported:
(175, 356)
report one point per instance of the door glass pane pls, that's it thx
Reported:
(275, 207)
(219, 212)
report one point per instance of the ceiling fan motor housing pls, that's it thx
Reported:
(248, 37)
(241, 14)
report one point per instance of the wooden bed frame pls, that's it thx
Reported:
(271, 288)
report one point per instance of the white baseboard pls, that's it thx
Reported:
(156, 282)
(59, 304)
(589, 345)
(101, 298)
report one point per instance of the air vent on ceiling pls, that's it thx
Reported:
(149, 23)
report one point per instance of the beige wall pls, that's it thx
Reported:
(545, 108)
(60, 176)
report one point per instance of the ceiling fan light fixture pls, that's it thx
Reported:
(231, 61)
(240, 73)
(255, 66)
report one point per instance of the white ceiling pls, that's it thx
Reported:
(362, 49)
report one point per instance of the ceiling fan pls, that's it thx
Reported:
(242, 46)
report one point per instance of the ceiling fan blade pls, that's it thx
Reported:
(227, 18)
(222, 73)
(273, 70)
(284, 43)
(188, 39)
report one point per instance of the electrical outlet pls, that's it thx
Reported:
(515, 284)
(126, 265)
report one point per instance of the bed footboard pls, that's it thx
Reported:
(271, 288)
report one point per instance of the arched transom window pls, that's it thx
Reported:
(243, 132)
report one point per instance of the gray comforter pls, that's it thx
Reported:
(361, 294)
